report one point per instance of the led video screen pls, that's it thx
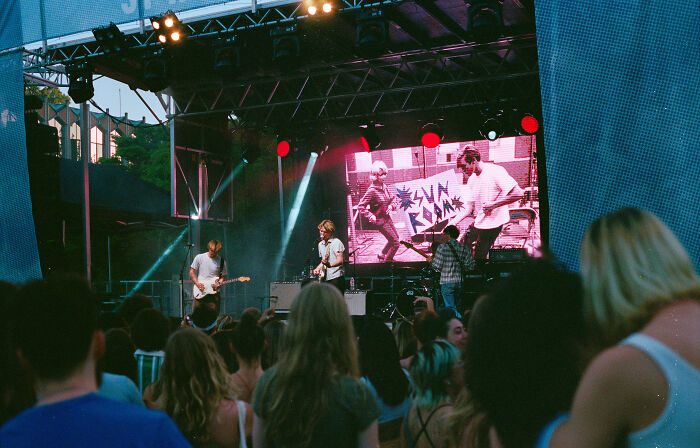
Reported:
(400, 216)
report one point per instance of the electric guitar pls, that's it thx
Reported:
(209, 286)
(422, 253)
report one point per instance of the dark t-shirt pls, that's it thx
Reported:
(351, 409)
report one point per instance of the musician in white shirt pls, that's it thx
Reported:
(330, 249)
(209, 267)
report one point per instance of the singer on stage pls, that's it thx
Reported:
(330, 249)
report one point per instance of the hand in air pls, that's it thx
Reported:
(428, 302)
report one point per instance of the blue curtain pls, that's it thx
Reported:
(19, 257)
(620, 86)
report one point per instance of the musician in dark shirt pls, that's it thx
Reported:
(376, 204)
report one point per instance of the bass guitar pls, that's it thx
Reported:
(422, 253)
(209, 286)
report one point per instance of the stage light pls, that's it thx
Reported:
(485, 19)
(158, 262)
(327, 7)
(80, 86)
(492, 129)
(155, 71)
(312, 10)
(110, 38)
(285, 44)
(227, 56)
(370, 140)
(431, 135)
(529, 124)
(170, 27)
(371, 32)
(283, 148)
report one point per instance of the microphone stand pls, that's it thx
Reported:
(189, 247)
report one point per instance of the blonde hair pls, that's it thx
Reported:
(631, 265)
(378, 168)
(327, 225)
(193, 382)
(319, 344)
(214, 245)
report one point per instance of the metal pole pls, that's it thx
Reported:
(279, 179)
(109, 266)
(85, 159)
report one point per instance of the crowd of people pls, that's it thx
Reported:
(545, 358)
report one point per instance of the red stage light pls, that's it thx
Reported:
(365, 144)
(529, 124)
(430, 140)
(283, 148)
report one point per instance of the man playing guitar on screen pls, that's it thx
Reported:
(206, 268)
(330, 249)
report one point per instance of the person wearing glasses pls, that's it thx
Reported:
(376, 204)
(489, 189)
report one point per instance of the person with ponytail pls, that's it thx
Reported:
(248, 343)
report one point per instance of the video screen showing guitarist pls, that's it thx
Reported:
(208, 271)
(376, 204)
(330, 249)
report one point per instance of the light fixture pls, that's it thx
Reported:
(529, 124)
(250, 146)
(110, 38)
(370, 139)
(227, 56)
(371, 32)
(155, 71)
(431, 135)
(283, 148)
(285, 44)
(313, 6)
(492, 128)
(485, 19)
(327, 7)
(80, 86)
(169, 28)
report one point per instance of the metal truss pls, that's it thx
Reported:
(220, 26)
(435, 79)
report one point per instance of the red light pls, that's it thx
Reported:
(283, 148)
(365, 144)
(529, 124)
(430, 140)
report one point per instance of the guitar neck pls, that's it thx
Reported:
(418, 251)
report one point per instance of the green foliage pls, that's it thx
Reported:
(109, 161)
(147, 154)
(53, 95)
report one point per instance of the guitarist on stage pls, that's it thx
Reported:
(206, 267)
(330, 249)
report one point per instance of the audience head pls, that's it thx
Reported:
(224, 345)
(150, 330)
(431, 372)
(204, 319)
(426, 326)
(248, 338)
(524, 351)
(111, 319)
(54, 324)
(274, 330)
(631, 265)
(131, 306)
(193, 382)
(379, 361)
(119, 354)
(451, 329)
(406, 340)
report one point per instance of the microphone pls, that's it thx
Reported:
(189, 245)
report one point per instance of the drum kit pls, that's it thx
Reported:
(423, 284)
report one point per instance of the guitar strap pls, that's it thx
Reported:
(221, 266)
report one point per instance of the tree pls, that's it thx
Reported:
(52, 94)
(146, 154)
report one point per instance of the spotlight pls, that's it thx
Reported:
(170, 27)
(80, 86)
(283, 148)
(155, 71)
(371, 32)
(327, 7)
(485, 19)
(431, 135)
(110, 38)
(370, 140)
(529, 124)
(285, 44)
(312, 10)
(492, 128)
(227, 56)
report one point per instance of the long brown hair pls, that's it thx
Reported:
(193, 382)
(319, 346)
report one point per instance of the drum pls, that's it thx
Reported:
(404, 301)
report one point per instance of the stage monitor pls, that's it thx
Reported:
(428, 192)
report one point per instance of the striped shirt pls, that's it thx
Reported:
(148, 367)
(445, 262)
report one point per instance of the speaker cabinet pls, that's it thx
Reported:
(282, 294)
(357, 302)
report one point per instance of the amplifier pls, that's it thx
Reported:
(282, 294)
(357, 302)
(514, 254)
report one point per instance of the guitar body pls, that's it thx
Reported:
(209, 286)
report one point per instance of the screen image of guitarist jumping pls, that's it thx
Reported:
(402, 199)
